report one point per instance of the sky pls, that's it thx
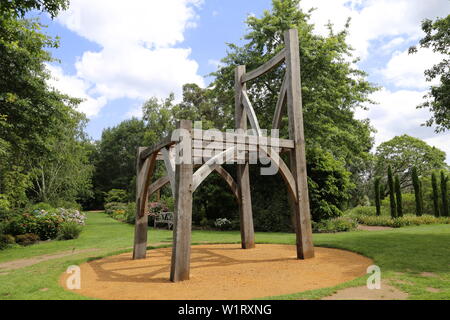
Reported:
(117, 56)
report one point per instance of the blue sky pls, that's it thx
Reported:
(117, 56)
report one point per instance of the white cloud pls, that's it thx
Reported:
(386, 48)
(396, 114)
(407, 70)
(137, 72)
(137, 59)
(76, 88)
(382, 28)
(441, 142)
(149, 22)
(375, 19)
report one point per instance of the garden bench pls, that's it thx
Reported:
(164, 217)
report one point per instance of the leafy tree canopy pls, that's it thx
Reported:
(404, 152)
(437, 37)
(20, 7)
(331, 87)
(115, 160)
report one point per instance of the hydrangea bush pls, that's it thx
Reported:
(64, 215)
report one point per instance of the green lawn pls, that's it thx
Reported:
(402, 254)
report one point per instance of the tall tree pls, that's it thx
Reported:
(444, 194)
(434, 186)
(31, 112)
(417, 190)
(332, 88)
(437, 36)
(115, 160)
(377, 195)
(398, 196)
(65, 174)
(403, 152)
(393, 206)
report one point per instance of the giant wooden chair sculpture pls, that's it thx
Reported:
(184, 182)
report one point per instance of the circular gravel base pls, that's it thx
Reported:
(220, 271)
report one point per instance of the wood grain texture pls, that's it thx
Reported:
(211, 165)
(165, 142)
(251, 113)
(266, 67)
(276, 122)
(169, 162)
(141, 224)
(243, 177)
(305, 248)
(206, 137)
(158, 184)
(181, 250)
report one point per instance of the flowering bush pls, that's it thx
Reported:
(222, 223)
(111, 207)
(64, 215)
(45, 224)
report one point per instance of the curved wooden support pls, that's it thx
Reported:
(229, 180)
(266, 67)
(161, 182)
(211, 165)
(284, 170)
(279, 107)
(250, 113)
(149, 167)
(169, 161)
(158, 184)
(165, 142)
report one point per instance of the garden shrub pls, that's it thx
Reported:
(130, 213)
(340, 224)
(46, 227)
(41, 206)
(71, 215)
(116, 195)
(69, 230)
(110, 207)
(365, 211)
(408, 203)
(27, 239)
(124, 212)
(5, 206)
(267, 220)
(67, 205)
(406, 220)
(6, 240)
(43, 223)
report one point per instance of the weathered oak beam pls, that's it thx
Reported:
(202, 136)
(181, 250)
(276, 123)
(165, 142)
(251, 113)
(305, 248)
(266, 67)
(211, 165)
(243, 177)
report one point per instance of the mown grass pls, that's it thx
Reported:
(402, 254)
